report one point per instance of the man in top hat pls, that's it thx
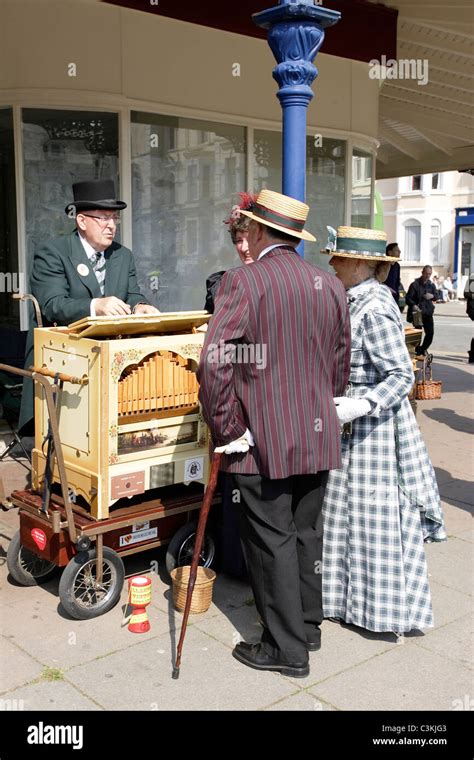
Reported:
(276, 353)
(85, 273)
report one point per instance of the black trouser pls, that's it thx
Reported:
(282, 536)
(428, 327)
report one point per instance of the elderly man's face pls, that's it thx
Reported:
(98, 227)
(426, 273)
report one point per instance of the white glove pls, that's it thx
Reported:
(240, 446)
(349, 409)
(429, 296)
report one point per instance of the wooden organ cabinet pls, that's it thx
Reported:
(136, 423)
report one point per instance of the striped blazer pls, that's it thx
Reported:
(276, 352)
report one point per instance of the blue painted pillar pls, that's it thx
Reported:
(295, 35)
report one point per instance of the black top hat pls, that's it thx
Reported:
(97, 193)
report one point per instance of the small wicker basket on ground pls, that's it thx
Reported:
(426, 387)
(202, 593)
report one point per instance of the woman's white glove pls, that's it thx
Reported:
(349, 409)
(240, 446)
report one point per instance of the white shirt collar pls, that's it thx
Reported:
(269, 248)
(90, 251)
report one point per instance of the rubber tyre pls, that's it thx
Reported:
(79, 575)
(18, 560)
(180, 548)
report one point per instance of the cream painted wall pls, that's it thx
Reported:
(130, 58)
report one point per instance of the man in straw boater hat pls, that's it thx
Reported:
(276, 352)
(84, 273)
(383, 503)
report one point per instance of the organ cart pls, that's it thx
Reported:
(120, 458)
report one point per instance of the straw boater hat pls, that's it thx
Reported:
(282, 213)
(358, 243)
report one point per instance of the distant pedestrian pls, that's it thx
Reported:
(422, 296)
(469, 296)
(393, 278)
(449, 287)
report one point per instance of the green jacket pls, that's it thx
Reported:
(64, 295)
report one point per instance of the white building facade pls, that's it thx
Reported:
(420, 215)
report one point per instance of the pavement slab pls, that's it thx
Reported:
(38, 627)
(16, 667)
(407, 678)
(453, 641)
(450, 564)
(210, 679)
(448, 605)
(51, 696)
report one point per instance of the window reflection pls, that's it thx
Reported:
(325, 183)
(361, 188)
(60, 148)
(11, 281)
(325, 192)
(185, 174)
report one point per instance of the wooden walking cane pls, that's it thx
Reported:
(206, 505)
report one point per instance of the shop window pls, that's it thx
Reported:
(361, 202)
(267, 153)
(325, 183)
(11, 281)
(179, 202)
(325, 192)
(412, 249)
(59, 148)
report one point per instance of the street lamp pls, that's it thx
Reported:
(295, 35)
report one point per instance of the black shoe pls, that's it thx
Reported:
(313, 642)
(255, 656)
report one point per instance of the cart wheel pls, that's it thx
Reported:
(181, 547)
(27, 568)
(80, 594)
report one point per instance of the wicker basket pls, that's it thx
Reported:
(428, 389)
(202, 593)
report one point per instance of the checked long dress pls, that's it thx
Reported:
(383, 504)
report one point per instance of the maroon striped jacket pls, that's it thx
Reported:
(276, 352)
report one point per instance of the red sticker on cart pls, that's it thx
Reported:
(39, 537)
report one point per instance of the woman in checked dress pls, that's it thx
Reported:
(383, 504)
